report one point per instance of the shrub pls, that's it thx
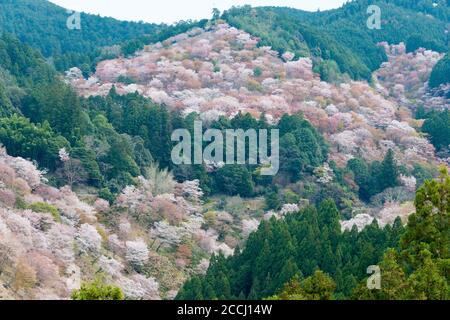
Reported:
(42, 207)
(97, 291)
(106, 194)
(257, 72)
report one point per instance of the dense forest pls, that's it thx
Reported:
(341, 35)
(441, 72)
(113, 139)
(305, 256)
(333, 37)
(98, 37)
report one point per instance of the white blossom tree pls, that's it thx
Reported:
(136, 252)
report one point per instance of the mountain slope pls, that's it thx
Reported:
(342, 34)
(51, 241)
(42, 24)
(348, 150)
(223, 71)
(296, 246)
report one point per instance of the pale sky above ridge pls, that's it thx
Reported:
(169, 11)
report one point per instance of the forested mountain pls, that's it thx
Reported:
(305, 256)
(336, 36)
(44, 26)
(297, 245)
(342, 35)
(92, 206)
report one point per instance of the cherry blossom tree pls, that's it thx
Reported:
(136, 252)
(138, 287)
(72, 170)
(249, 226)
(88, 239)
(167, 234)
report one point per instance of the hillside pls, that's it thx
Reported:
(441, 72)
(407, 77)
(223, 71)
(51, 241)
(92, 199)
(306, 256)
(342, 35)
(98, 38)
(48, 31)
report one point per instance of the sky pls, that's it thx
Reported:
(169, 11)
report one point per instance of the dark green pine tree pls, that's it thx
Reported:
(222, 287)
(289, 270)
(255, 290)
(272, 201)
(329, 217)
(208, 292)
(389, 171)
(291, 159)
(192, 290)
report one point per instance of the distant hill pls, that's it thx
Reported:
(342, 34)
(337, 40)
(43, 25)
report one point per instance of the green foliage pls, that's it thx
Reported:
(329, 71)
(216, 14)
(341, 36)
(302, 242)
(97, 291)
(106, 194)
(115, 138)
(439, 8)
(389, 173)
(234, 180)
(437, 126)
(38, 142)
(394, 285)
(135, 115)
(401, 20)
(61, 108)
(376, 177)
(6, 106)
(292, 290)
(421, 113)
(416, 41)
(441, 72)
(286, 32)
(257, 72)
(57, 118)
(43, 25)
(413, 260)
(43, 207)
(272, 201)
(317, 287)
(423, 172)
(429, 226)
(429, 281)
(418, 269)
(23, 63)
(302, 148)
